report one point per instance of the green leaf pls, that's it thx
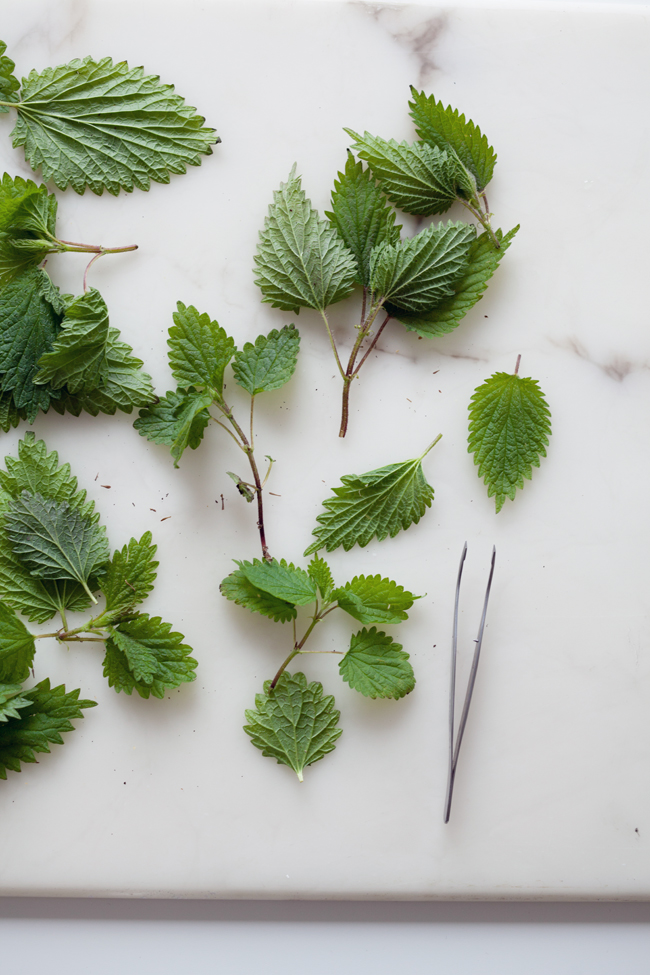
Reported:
(107, 126)
(11, 700)
(17, 647)
(301, 262)
(268, 364)
(508, 432)
(39, 472)
(143, 655)
(129, 576)
(29, 324)
(199, 349)
(484, 258)
(177, 420)
(47, 717)
(27, 224)
(281, 579)
(371, 599)
(293, 723)
(237, 588)
(10, 415)
(320, 572)
(78, 355)
(419, 272)
(38, 599)
(376, 666)
(444, 128)
(376, 504)
(361, 215)
(9, 84)
(417, 178)
(54, 540)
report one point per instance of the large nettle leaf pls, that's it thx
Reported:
(376, 504)
(107, 126)
(269, 363)
(240, 590)
(49, 715)
(199, 349)
(39, 472)
(508, 432)
(282, 580)
(376, 666)
(293, 723)
(129, 576)
(301, 262)
(17, 647)
(77, 359)
(371, 599)
(143, 654)
(177, 420)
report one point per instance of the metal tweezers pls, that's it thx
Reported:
(454, 748)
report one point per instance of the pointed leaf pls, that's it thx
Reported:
(508, 432)
(78, 355)
(178, 420)
(268, 364)
(10, 415)
(38, 599)
(129, 576)
(293, 723)
(11, 701)
(17, 647)
(9, 84)
(199, 349)
(39, 472)
(27, 214)
(376, 666)
(107, 126)
(371, 599)
(320, 572)
(281, 579)
(238, 589)
(143, 655)
(301, 262)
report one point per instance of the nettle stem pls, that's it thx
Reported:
(483, 217)
(353, 368)
(297, 647)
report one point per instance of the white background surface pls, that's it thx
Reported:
(202, 937)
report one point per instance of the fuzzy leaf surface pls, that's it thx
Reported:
(445, 128)
(268, 364)
(293, 723)
(301, 262)
(130, 576)
(376, 666)
(320, 572)
(376, 504)
(371, 599)
(10, 415)
(484, 258)
(39, 472)
(107, 126)
(199, 349)
(143, 654)
(49, 715)
(17, 647)
(177, 420)
(281, 579)
(508, 432)
(9, 84)
(78, 355)
(421, 271)
(361, 215)
(238, 589)
(27, 213)
(417, 178)
(11, 701)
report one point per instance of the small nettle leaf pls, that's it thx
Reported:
(361, 215)
(129, 576)
(39, 472)
(445, 128)
(54, 540)
(376, 666)
(376, 504)
(78, 355)
(143, 654)
(419, 272)
(371, 599)
(268, 364)
(199, 349)
(508, 432)
(293, 723)
(11, 701)
(238, 589)
(320, 572)
(107, 126)
(281, 579)
(248, 493)
(9, 84)
(301, 262)
(48, 716)
(17, 647)
(484, 258)
(177, 420)
(417, 178)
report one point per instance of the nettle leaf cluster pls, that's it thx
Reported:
(55, 560)
(292, 721)
(427, 282)
(199, 353)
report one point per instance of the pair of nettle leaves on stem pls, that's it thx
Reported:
(427, 282)
(54, 559)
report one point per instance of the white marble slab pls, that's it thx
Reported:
(552, 800)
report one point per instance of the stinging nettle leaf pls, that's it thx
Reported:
(419, 272)
(143, 654)
(177, 420)
(320, 572)
(371, 599)
(293, 723)
(9, 84)
(508, 432)
(11, 701)
(238, 589)
(282, 580)
(268, 364)
(301, 262)
(129, 576)
(27, 224)
(17, 647)
(199, 349)
(107, 126)
(39, 472)
(376, 666)
(78, 356)
(376, 504)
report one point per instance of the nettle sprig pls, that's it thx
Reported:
(292, 721)
(55, 560)
(427, 282)
(199, 353)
